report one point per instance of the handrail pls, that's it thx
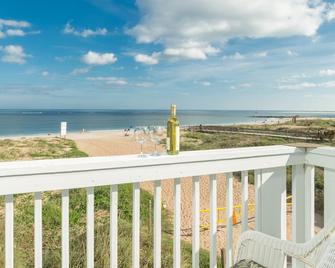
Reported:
(47, 175)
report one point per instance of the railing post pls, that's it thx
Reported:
(271, 201)
(90, 227)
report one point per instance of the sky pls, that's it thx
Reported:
(147, 54)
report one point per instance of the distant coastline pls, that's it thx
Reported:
(18, 123)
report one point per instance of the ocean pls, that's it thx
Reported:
(31, 122)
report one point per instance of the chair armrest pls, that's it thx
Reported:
(269, 251)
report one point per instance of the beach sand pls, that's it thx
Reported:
(115, 143)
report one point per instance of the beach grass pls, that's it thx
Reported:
(49, 148)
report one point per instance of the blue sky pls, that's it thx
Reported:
(232, 54)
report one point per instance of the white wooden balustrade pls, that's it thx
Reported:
(269, 164)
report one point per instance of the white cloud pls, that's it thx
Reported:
(15, 32)
(109, 80)
(327, 72)
(69, 29)
(292, 53)
(241, 86)
(203, 83)
(13, 54)
(147, 59)
(145, 84)
(95, 58)
(2, 35)
(14, 23)
(189, 52)
(307, 85)
(78, 71)
(262, 54)
(236, 56)
(45, 73)
(195, 28)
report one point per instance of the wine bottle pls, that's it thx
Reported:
(172, 132)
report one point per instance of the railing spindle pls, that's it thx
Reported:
(136, 226)
(244, 203)
(195, 222)
(38, 229)
(309, 199)
(113, 226)
(258, 200)
(157, 224)
(90, 227)
(65, 229)
(9, 231)
(229, 220)
(213, 221)
(176, 224)
(329, 198)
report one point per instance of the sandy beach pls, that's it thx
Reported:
(115, 143)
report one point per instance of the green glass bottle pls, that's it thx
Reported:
(173, 132)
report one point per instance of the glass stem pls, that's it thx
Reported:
(141, 149)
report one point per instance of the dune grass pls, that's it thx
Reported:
(40, 148)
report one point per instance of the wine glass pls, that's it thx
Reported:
(140, 136)
(156, 135)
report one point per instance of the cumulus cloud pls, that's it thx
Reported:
(236, 56)
(69, 29)
(14, 23)
(78, 71)
(13, 54)
(109, 80)
(327, 72)
(9, 28)
(15, 32)
(197, 28)
(95, 58)
(147, 59)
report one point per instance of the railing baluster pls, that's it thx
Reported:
(298, 208)
(258, 201)
(136, 226)
(213, 221)
(329, 198)
(38, 229)
(309, 198)
(229, 220)
(9, 231)
(244, 207)
(90, 227)
(195, 222)
(65, 229)
(113, 226)
(176, 224)
(157, 224)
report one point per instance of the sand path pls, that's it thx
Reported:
(115, 143)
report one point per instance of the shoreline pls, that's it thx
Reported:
(261, 121)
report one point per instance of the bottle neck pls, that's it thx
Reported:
(173, 112)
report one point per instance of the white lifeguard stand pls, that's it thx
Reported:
(63, 129)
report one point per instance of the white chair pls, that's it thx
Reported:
(271, 252)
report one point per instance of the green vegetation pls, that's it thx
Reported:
(191, 140)
(39, 148)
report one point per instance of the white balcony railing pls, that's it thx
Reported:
(269, 164)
